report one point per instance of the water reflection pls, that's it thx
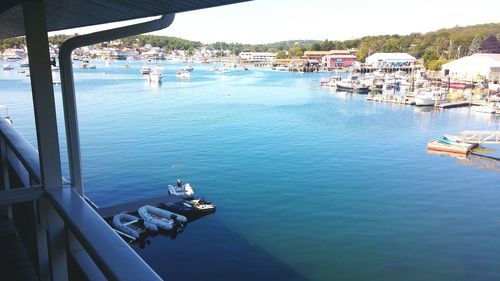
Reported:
(473, 159)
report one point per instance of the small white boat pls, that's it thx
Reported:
(183, 75)
(181, 190)
(429, 97)
(7, 67)
(485, 109)
(145, 70)
(25, 63)
(203, 206)
(88, 66)
(124, 223)
(424, 101)
(155, 77)
(155, 218)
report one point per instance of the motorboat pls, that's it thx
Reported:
(181, 190)
(191, 207)
(126, 225)
(155, 76)
(187, 68)
(352, 85)
(183, 75)
(490, 108)
(429, 97)
(155, 218)
(7, 67)
(25, 63)
(88, 66)
(145, 70)
(203, 206)
(331, 82)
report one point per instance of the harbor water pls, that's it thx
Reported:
(309, 184)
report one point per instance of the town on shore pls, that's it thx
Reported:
(459, 72)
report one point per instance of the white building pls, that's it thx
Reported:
(469, 68)
(13, 54)
(258, 56)
(390, 60)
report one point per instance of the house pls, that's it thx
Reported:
(13, 54)
(318, 55)
(257, 56)
(470, 67)
(338, 61)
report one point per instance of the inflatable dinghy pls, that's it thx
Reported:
(155, 218)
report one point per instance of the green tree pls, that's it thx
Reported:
(475, 45)
(281, 55)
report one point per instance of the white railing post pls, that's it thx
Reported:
(5, 172)
(68, 84)
(55, 268)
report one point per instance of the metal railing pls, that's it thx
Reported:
(94, 250)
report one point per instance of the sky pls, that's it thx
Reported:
(267, 21)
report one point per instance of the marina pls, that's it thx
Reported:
(259, 127)
(129, 155)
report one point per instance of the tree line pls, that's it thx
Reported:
(440, 45)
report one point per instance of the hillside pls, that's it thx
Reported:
(442, 44)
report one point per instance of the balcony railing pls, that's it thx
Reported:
(93, 250)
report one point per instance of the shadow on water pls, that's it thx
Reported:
(206, 249)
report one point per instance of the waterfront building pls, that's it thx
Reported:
(13, 54)
(252, 57)
(153, 54)
(318, 55)
(474, 67)
(390, 60)
(338, 61)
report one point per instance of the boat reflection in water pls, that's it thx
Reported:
(473, 159)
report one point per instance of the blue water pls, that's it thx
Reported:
(310, 184)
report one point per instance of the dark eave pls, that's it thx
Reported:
(65, 14)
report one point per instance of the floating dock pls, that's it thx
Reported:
(108, 212)
(453, 104)
(396, 101)
(456, 148)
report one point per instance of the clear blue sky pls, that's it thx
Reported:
(265, 21)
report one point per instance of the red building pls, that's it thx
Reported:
(338, 61)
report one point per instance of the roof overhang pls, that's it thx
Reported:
(66, 14)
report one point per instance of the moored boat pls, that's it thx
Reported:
(126, 224)
(145, 70)
(490, 108)
(191, 207)
(7, 67)
(183, 75)
(155, 218)
(181, 190)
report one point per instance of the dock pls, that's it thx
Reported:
(406, 101)
(108, 212)
(457, 148)
(453, 104)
